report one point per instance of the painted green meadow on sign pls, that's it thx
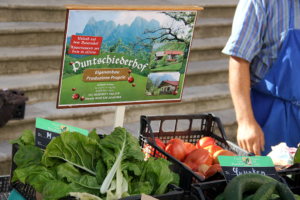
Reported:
(121, 57)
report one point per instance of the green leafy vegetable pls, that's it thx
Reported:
(43, 179)
(90, 168)
(28, 154)
(93, 135)
(26, 138)
(84, 196)
(158, 174)
(101, 171)
(125, 146)
(74, 148)
(55, 190)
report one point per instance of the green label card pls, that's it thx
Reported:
(233, 166)
(47, 130)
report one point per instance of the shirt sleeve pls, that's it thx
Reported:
(249, 25)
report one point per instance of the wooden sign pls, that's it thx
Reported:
(120, 55)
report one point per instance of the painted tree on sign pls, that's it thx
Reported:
(104, 48)
(114, 47)
(157, 82)
(149, 84)
(172, 33)
(163, 61)
(180, 58)
(128, 49)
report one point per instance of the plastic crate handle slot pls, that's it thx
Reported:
(212, 117)
(174, 187)
(150, 129)
(195, 189)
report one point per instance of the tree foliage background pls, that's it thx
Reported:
(172, 33)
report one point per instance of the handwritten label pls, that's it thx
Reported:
(253, 171)
(85, 45)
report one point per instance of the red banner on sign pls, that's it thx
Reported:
(85, 45)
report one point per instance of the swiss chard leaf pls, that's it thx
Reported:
(123, 146)
(68, 171)
(93, 135)
(113, 144)
(157, 172)
(133, 165)
(28, 154)
(75, 187)
(74, 148)
(165, 176)
(34, 169)
(36, 175)
(101, 171)
(26, 138)
(141, 187)
(55, 190)
(84, 196)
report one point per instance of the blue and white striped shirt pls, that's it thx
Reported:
(258, 31)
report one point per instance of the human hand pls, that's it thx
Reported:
(251, 137)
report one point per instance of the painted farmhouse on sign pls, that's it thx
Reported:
(168, 87)
(172, 55)
(159, 55)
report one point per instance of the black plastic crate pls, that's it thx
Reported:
(189, 128)
(292, 177)
(4, 184)
(210, 190)
(4, 196)
(5, 188)
(26, 190)
(29, 193)
(174, 193)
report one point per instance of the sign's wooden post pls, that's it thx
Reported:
(119, 116)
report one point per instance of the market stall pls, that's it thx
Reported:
(190, 159)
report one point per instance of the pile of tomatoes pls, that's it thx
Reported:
(202, 158)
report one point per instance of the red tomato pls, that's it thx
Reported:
(189, 147)
(160, 144)
(176, 148)
(176, 141)
(205, 141)
(201, 175)
(222, 152)
(212, 149)
(203, 168)
(212, 170)
(198, 157)
(187, 165)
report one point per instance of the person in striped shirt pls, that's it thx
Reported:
(259, 30)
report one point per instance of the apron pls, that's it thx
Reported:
(276, 98)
